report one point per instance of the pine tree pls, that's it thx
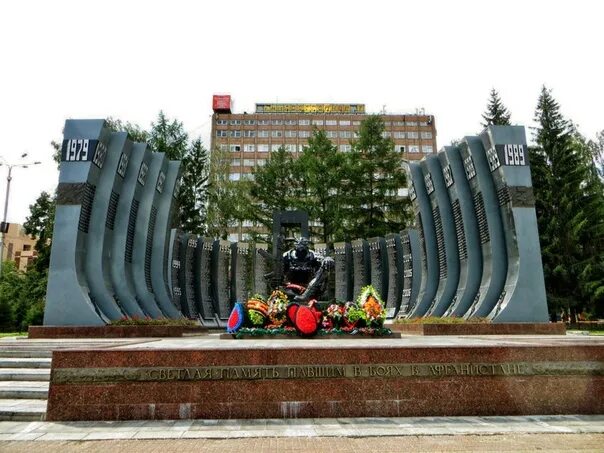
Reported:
(497, 113)
(274, 187)
(168, 136)
(373, 200)
(193, 194)
(321, 170)
(567, 209)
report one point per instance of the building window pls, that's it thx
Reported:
(247, 223)
(235, 176)
(411, 123)
(249, 133)
(235, 122)
(386, 134)
(304, 134)
(264, 122)
(291, 134)
(275, 147)
(263, 148)
(247, 176)
(345, 148)
(249, 122)
(222, 122)
(304, 122)
(345, 134)
(317, 122)
(248, 162)
(413, 148)
(276, 133)
(427, 135)
(290, 122)
(427, 149)
(263, 134)
(344, 123)
(301, 148)
(332, 134)
(290, 147)
(400, 148)
(260, 162)
(356, 123)
(412, 134)
(235, 162)
(249, 148)
(423, 123)
(223, 147)
(235, 133)
(234, 148)
(277, 122)
(221, 133)
(398, 123)
(399, 135)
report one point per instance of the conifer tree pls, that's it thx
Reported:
(569, 210)
(496, 113)
(373, 200)
(321, 172)
(194, 188)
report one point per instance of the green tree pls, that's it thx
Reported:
(39, 224)
(321, 172)
(274, 187)
(373, 202)
(168, 136)
(194, 188)
(135, 132)
(569, 210)
(496, 113)
(228, 201)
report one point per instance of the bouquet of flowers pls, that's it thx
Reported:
(277, 306)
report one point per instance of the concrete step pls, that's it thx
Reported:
(25, 362)
(22, 409)
(24, 374)
(23, 389)
(24, 353)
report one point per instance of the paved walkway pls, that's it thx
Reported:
(301, 428)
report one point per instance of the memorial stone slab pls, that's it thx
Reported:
(448, 256)
(124, 229)
(394, 254)
(490, 226)
(83, 153)
(523, 297)
(429, 248)
(466, 228)
(102, 219)
(361, 266)
(204, 290)
(144, 231)
(342, 255)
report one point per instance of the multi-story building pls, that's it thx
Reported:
(18, 246)
(250, 137)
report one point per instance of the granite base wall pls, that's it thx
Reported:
(112, 331)
(480, 329)
(452, 381)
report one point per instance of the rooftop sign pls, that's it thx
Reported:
(311, 108)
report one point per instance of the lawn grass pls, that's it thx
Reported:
(12, 334)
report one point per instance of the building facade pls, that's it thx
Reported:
(249, 138)
(18, 247)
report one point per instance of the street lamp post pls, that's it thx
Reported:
(4, 228)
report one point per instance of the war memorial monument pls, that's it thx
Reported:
(473, 252)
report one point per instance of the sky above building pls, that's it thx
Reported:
(131, 59)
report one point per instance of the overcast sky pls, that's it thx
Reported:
(94, 59)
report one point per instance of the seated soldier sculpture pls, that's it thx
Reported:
(305, 273)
